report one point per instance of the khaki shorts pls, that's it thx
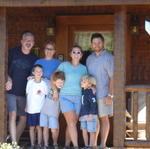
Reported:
(103, 109)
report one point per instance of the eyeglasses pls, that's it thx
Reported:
(74, 52)
(49, 49)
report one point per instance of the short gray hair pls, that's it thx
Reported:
(27, 33)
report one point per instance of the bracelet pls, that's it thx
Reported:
(110, 95)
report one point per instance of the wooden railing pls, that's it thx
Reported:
(133, 127)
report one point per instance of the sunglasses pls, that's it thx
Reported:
(74, 52)
(49, 49)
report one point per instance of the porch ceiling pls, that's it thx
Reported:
(75, 10)
(42, 3)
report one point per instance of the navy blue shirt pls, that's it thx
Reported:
(19, 68)
(88, 103)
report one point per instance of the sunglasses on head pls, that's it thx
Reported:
(74, 52)
(49, 49)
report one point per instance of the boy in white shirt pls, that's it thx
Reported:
(36, 91)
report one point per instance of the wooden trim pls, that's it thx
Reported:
(43, 3)
(137, 144)
(137, 88)
(3, 49)
(119, 77)
(86, 19)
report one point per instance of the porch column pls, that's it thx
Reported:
(3, 62)
(119, 77)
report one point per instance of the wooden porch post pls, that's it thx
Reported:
(119, 78)
(3, 53)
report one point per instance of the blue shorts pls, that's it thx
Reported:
(90, 126)
(70, 103)
(33, 119)
(49, 121)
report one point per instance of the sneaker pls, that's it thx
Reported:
(8, 139)
(39, 146)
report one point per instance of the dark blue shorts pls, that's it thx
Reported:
(33, 119)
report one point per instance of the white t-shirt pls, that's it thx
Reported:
(36, 93)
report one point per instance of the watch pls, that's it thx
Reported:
(110, 95)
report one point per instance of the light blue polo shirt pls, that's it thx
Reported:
(102, 68)
(49, 66)
(73, 75)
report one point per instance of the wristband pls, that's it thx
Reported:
(110, 95)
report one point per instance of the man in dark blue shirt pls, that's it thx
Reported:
(20, 63)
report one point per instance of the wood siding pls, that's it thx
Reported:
(3, 63)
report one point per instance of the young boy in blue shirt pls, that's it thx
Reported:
(89, 110)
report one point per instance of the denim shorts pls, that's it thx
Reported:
(49, 121)
(90, 126)
(16, 103)
(70, 103)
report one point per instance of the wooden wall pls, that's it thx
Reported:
(140, 55)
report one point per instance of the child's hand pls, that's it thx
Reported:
(93, 89)
(55, 95)
(8, 85)
(90, 117)
(108, 100)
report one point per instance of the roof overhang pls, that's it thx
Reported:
(52, 3)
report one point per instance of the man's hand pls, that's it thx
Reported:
(30, 78)
(108, 100)
(8, 85)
